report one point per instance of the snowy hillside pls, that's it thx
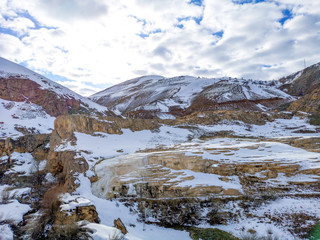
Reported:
(22, 115)
(302, 82)
(156, 93)
(12, 71)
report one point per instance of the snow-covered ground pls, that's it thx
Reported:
(110, 210)
(121, 149)
(279, 128)
(11, 210)
(23, 115)
(24, 163)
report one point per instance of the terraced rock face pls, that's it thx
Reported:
(218, 167)
(156, 96)
(221, 182)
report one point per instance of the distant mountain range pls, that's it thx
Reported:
(160, 97)
(156, 96)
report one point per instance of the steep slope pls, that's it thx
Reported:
(20, 84)
(309, 103)
(305, 83)
(302, 82)
(156, 96)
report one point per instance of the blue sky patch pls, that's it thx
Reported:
(146, 35)
(8, 31)
(27, 15)
(183, 19)
(241, 2)
(180, 26)
(98, 85)
(143, 35)
(57, 77)
(287, 14)
(219, 34)
(140, 20)
(24, 14)
(266, 66)
(196, 2)
(198, 19)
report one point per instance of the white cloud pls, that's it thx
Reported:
(112, 41)
(12, 48)
(17, 24)
(81, 88)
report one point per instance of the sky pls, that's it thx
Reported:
(89, 45)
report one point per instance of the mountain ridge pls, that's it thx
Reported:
(166, 97)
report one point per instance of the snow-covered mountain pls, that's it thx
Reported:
(156, 95)
(20, 84)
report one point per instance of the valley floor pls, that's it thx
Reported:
(248, 180)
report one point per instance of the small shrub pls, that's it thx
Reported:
(215, 216)
(5, 196)
(70, 231)
(315, 233)
(209, 234)
(314, 119)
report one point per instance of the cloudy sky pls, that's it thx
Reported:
(88, 45)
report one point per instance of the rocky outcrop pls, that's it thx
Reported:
(65, 164)
(37, 144)
(204, 104)
(311, 144)
(20, 89)
(80, 213)
(66, 125)
(214, 117)
(162, 179)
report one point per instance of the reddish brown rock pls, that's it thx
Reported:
(19, 90)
